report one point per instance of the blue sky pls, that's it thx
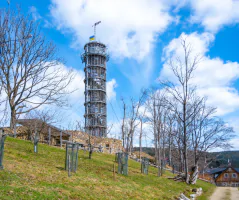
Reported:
(140, 34)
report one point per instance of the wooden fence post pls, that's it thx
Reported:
(114, 171)
(69, 165)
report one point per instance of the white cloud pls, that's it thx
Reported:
(235, 143)
(110, 89)
(147, 136)
(213, 77)
(114, 129)
(214, 14)
(128, 27)
(3, 108)
(77, 85)
(226, 99)
(234, 122)
(135, 71)
(36, 16)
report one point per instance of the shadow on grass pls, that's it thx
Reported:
(61, 168)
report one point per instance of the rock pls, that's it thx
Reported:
(182, 196)
(193, 196)
(194, 190)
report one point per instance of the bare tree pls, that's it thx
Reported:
(130, 120)
(156, 106)
(3, 109)
(178, 145)
(109, 128)
(171, 119)
(142, 120)
(183, 93)
(207, 159)
(80, 125)
(123, 123)
(208, 132)
(30, 71)
(42, 118)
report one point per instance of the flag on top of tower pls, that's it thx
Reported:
(92, 37)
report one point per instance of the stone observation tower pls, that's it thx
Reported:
(95, 57)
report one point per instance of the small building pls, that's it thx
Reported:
(224, 176)
(54, 136)
(47, 133)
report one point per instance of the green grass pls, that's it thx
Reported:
(42, 176)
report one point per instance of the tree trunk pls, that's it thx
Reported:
(159, 170)
(185, 155)
(159, 152)
(90, 152)
(123, 128)
(170, 149)
(90, 148)
(13, 121)
(181, 162)
(127, 143)
(194, 175)
(131, 142)
(186, 163)
(140, 138)
(13, 118)
(155, 135)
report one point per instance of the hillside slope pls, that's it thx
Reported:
(42, 176)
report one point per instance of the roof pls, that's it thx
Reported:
(218, 170)
(214, 170)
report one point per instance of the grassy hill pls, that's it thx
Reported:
(42, 176)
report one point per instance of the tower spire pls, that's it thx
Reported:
(95, 24)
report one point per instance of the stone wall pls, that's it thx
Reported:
(108, 145)
(25, 133)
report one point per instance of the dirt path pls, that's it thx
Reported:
(225, 193)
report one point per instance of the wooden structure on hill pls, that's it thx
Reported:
(224, 176)
(54, 136)
(48, 133)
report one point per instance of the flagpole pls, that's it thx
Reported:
(95, 28)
